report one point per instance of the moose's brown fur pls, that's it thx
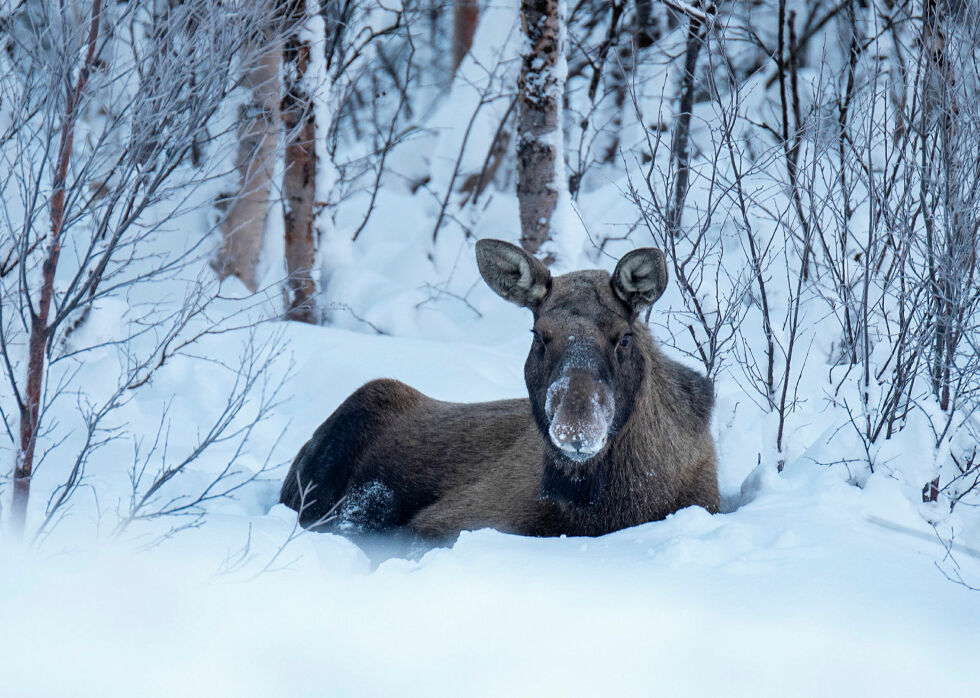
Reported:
(613, 434)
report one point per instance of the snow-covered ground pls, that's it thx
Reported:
(811, 586)
(782, 598)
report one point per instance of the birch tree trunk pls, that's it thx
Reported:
(40, 332)
(540, 170)
(243, 226)
(680, 143)
(299, 175)
(466, 17)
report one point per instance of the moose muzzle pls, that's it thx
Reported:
(580, 408)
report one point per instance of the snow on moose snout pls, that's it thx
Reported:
(580, 411)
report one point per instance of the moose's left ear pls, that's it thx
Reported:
(640, 277)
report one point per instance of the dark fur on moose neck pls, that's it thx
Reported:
(581, 488)
(594, 497)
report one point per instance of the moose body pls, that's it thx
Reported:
(612, 434)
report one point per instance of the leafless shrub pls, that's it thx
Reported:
(152, 497)
(110, 189)
(712, 294)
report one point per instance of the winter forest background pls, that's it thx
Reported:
(221, 216)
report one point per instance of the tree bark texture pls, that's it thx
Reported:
(466, 17)
(299, 175)
(679, 147)
(243, 226)
(541, 84)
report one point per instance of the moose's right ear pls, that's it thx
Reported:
(512, 273)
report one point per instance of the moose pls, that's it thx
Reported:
(612, 433)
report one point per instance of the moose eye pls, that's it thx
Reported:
(625, 340)
(537, 337)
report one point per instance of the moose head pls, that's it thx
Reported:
(588, 358)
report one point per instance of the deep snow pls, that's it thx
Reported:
(811, 587)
